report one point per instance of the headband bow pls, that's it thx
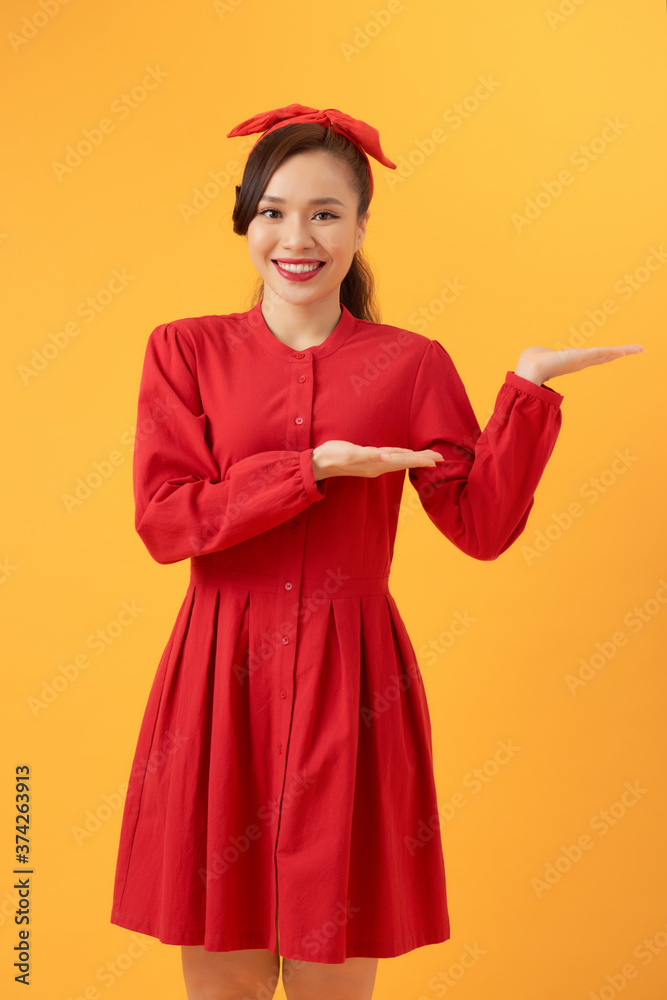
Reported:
(365, 137)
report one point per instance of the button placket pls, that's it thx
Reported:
(297, 438)
(298, 432)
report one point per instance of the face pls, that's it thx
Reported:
(308, 212)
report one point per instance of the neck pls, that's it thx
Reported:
(301, 325)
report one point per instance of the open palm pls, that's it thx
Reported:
(541, 363)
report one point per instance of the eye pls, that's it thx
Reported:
(277, 212)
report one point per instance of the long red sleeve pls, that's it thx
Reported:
(183, 507)
(481, 494)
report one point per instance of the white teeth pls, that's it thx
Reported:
(297, 268)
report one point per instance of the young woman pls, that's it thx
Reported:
(283, 774)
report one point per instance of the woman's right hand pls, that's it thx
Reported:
(342, 458)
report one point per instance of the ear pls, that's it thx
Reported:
(361, 228)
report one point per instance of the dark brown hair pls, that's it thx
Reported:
(357, 290)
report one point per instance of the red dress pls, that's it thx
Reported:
(285, 757)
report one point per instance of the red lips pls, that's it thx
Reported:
(298, 260)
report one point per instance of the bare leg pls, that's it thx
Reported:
(230, 975)
(352, 979)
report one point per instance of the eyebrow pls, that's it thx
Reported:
(329, 200)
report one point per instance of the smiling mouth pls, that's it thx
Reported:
(299, 268)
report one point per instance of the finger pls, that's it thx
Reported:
(602, 355)
(386, 453)
(389, 452)
(393, 449)
(610, 351)
(624, 349)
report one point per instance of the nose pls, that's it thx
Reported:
(296, 233)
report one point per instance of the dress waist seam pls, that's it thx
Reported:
(332, 582)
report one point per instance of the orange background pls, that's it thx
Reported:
(586, 581)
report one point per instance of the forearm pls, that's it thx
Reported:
(481, 501)
(181, 519)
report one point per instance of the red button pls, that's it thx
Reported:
(294, 525)
(280, 749)
(288, 586)
(285, 640)
(298, 420)
(283, 693)
(300, 354)
(302, 378)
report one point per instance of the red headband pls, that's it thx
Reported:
(365, 137)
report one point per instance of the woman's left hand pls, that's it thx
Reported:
(540, 363)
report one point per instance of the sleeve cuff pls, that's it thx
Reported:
(543, 392)
(313, 491)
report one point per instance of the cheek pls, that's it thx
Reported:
(338, 247)
(258, 244)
